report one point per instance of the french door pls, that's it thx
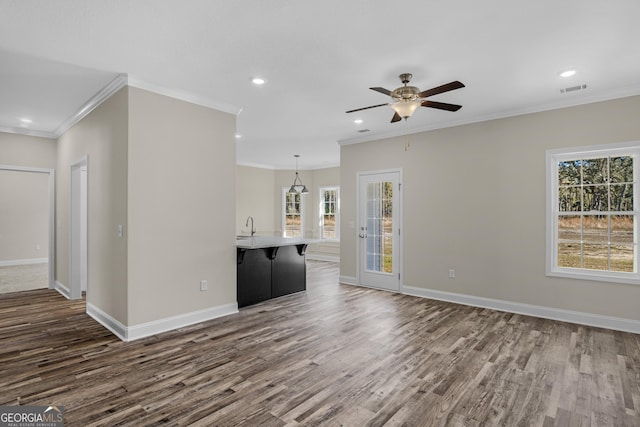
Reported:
(379, 229)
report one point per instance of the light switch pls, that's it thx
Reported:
(120, 231)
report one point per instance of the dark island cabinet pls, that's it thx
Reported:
(267, 273)
(254, 276)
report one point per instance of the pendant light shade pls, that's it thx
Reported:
(298, 186)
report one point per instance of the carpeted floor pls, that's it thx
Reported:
(18, 278)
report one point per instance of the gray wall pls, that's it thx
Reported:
(474, 200)
(259, 194)
(254, 197)
(164, 169)
(27, 151)
(181, 207)
(103, 137)
(24, 216)
(24, 210)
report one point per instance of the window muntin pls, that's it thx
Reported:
(292, 214)
(329, 221)
(594, 219)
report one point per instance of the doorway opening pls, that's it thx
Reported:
(79, 229)
(27, 255)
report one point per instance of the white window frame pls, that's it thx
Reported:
(321, 192)
(552, 209)
(285, 190)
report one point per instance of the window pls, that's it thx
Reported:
(592, 222)
(329, 213)
(292, 214)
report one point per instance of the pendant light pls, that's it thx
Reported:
(298, 186)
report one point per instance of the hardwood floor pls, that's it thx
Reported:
(335, 355)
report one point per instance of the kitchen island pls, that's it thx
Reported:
(270, 267)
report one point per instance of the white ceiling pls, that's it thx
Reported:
(318, 57)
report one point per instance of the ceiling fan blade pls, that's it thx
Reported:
(441, 89)
(381, 90)
(396, 118)
(441, 105)
(366, 108)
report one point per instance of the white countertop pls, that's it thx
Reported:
(258, 242)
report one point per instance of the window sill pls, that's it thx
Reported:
(626, 278)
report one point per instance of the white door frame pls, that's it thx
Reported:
(398, 247)
(52, 214)
(78, 219)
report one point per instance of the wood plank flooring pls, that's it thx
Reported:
(336, 355)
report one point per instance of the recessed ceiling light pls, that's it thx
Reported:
(357, 121)
(257, 81)
(567, 73)
(238, 136)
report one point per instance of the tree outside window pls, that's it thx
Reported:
(330, 213)
(594, 218)
(292, 214)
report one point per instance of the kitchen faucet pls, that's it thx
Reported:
(253, 230)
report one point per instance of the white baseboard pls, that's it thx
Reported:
(107, 321)
(66, 292)
(130, 333)
(348, 280)
(321, 257)
(12, 262)
(581, 318)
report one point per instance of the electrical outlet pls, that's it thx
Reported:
(204, 285)
(452, 274)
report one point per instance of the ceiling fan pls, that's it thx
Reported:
(406, 99)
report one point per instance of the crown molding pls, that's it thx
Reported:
(255, 165)
(555, 105)
(102, 95)
(271, 167)
(120, 81)
(184, 96)
(27, 132)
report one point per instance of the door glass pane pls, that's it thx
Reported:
(379, 245)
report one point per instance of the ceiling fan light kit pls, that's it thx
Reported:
(406, 99)
(405, 108)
